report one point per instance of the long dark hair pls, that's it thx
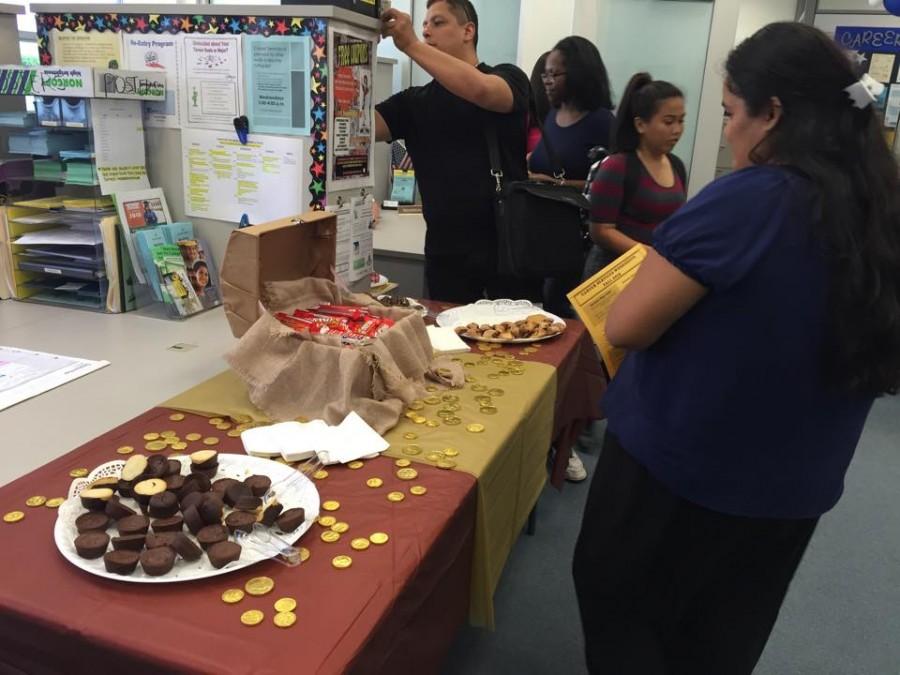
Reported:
(587, 83)
(842, 149)
(538, 104)
(641, 99)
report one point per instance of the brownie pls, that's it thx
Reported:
(131, 542)
(248, 503)
(92, 544)
(203, 482)
(133, 525)
(116, 510)
(157, 467)
(211, 462)
(121, 561)
(211, 509)
(157, 539)
(171, 524)
(192, 499)
(95, 499)
(222, 484)
(173, 467)
(174, 483)
(234, 492)
(212, 534)
(186, 548)
(126, 488)
(223, 553)
(163, 505)
(157, 561)
(240, 520)
(271, 512)
(259, 485)
(91, 521)
(209, 473)
(291, 519)
(193, 520)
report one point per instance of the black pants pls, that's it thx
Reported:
(555, 290)
(667, 587)
(465, 278)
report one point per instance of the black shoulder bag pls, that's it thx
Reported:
(540, 229)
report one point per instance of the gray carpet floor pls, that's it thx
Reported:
(841, 615)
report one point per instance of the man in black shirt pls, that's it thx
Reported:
(443, 124)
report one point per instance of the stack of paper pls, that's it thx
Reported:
(294, 441)
(80, 172)
(446, 341)
(39, 142)
(17, 118)
(48, 169)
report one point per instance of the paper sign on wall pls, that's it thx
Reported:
(160, 54)
(352, 126)
(119, 145)
(277, 76)
(86, 48)
(212, 81)
(63, 81)
(129, 84)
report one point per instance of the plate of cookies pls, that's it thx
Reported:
(156, 519)
(503, 321)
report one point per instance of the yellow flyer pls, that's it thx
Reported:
(594, 298)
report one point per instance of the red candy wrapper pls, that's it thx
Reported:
(355, 325)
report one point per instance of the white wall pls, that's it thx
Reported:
(386, 48)
(499, 21)
(754, 15)
(541, 25)
(848, 6)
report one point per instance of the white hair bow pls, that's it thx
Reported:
(864, 92)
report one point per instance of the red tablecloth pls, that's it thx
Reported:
(396, 609)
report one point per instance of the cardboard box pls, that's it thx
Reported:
(282, 250)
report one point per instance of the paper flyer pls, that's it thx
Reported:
(212, 82)
(119, 145)
(343, 237)
(86, 48)
(25, 374)
(224, 179)
(352, 125)
(593, 299)
(277, 80)
(362, 263)
(161, 54)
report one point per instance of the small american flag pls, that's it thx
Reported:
(400, 158)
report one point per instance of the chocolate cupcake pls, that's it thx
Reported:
(223, 553)
(171, 524)
(157, 466)
(157, 539)
(204, 459)
(192, 499)
(174, 483)
(173, 468)
(121, 561)
(126, 488)
(259, 485)
(116, 510)
(187, 549)
(291, 519)
(133, 525)
(92, 544)
(163, 505)
(109, 482)
(222, 484)
(209, 474)
(134, 467)
(157, 561)
(144, 490)
(247, 503)
(91, 521)
(212, 534)
(95, 499)
(271, 512)
(240, 520)
(211, 509)
(130, 542)
(234, 492)
(193, 520)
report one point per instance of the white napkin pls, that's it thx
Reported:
(446, 341)
(350, 440)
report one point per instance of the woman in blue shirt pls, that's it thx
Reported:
(762, 324)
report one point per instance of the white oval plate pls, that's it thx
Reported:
(492, 312)
(291, 487)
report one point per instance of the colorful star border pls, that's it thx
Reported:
(160, 24)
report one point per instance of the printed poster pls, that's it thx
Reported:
(352, 111)
(212, 81)
(159, 54)
(86, 48)
(362, 263)
(343, 244)
(224, 179)
(119, 145)
(277, 76)
(881, 67)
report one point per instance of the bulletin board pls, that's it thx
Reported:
(173, 24)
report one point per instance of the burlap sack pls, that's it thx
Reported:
(290, 374)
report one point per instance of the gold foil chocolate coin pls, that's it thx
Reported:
(420, 420)
(155, 446)
(153, 436)
(180, 445)
(78, 473)
(479, 387)
(446, 464)
(496, 392)
(284, 619)
(416, 405)
(360, 544)
(304, 554)
(434, 456)
(355, 465)
(234, 433)
(327, 521)
(321, 474)
(252, 617)
(193, 437)
(55, 503)
(342, 562)
(451, 452)
(407, 474)
(259, 585)
(433, 400)
(213, 421)
(432, 424)
(232, 595)
(378, 538)
(412, 450)
(340, 527)
(125, 450)
(176, 417)
(402, 462)
(374, 482)
(331, 505)
(418, 490)
(475, 428)
(410, 436)
(13, 517)
(452, 421)
(210, 440)
(37, 500)
(396, 496)
(168, 433)
(330, 536)
(285, 605)
(431, 388)
(488, 410)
